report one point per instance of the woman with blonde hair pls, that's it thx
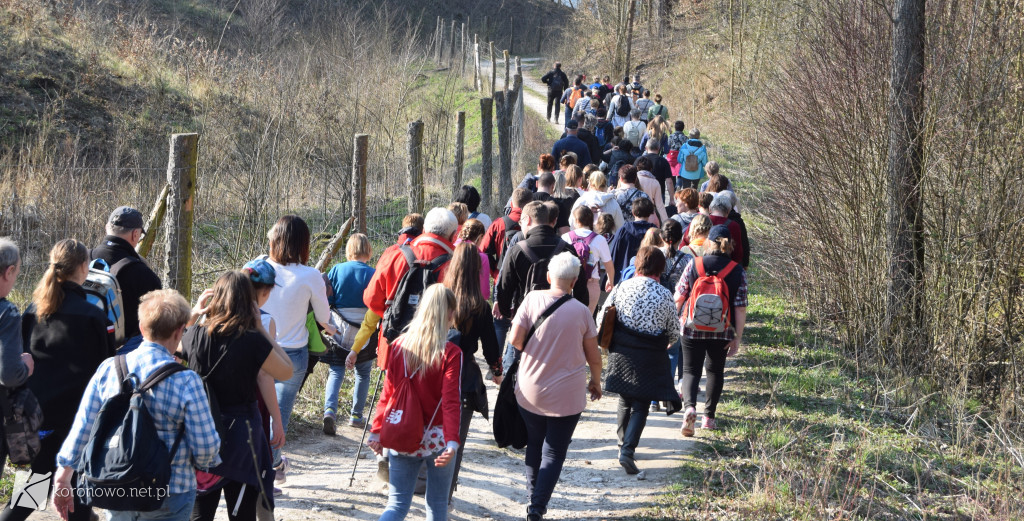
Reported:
(346, 281)
(599, 200)
(422, 363)
(68, 340)
(657, 130)
(698, 233)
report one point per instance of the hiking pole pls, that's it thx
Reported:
(366, 424)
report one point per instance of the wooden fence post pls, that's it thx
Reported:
(478, 84)
(334, 245)
(486, 154)
(156, 218)
(462, 70)
(460, 156)
(181, 176)
(504, 60)
(494, 69)
(502, 109)
(414, 168)
(439, 30)
(360, 156)
(511, 33)
(451, 45)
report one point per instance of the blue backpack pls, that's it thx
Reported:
(126, 466)
(599, 134)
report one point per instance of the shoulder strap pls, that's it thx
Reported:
(528, 251)
(573, 237)
(724, 272)
(158, 376)
(544, 316)
(590, 238)
(410, 257)
(559, 248)
(121, 365)
(698, 262)
(121, 264)
(438, 261)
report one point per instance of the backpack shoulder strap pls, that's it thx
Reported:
(698, 263)
(160, 374)
(559, 248)
(590, 238)
(438, 261)
(528, 251)
(724, 272)
(121, 366)
(121, 264)
(410, 256)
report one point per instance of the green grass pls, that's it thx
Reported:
(802, 438)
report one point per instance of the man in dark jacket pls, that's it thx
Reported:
(544, 242)
(572, 143)
(557, 81)
(133, 274)
(626, 241)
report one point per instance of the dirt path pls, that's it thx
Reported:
(491, 484)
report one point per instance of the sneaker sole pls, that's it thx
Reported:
(688, 426)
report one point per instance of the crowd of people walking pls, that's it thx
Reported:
(609, 247)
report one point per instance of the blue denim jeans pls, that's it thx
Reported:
(501, 328)
(361, 386)
(177, 507)
(288, 390)
(674, 353)
(402, 471)
(547, 443)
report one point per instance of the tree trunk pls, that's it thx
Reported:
(629, 37)
(904, 217)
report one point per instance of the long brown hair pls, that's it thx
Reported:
(231, 310)
(66, 257)
(463, 278)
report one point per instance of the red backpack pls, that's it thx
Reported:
(403, 426)
(707, 310)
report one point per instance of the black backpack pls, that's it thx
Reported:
(624, 106)
(125, 465)
(402, 306)
(511, 229)
(536, 275)
(556, 83)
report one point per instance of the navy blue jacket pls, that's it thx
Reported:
(626, 243)
(575, 145)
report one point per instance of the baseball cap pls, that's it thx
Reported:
(719, 231)
(572, 124)
(261, 272)
(126, 217)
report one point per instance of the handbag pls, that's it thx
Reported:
(604, 334)
(508, 424)
(22, 419)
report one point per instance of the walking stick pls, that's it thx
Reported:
(366, 424)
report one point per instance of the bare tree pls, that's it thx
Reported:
(904, 217)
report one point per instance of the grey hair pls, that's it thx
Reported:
(564, 266)
(441, 222)
(9, 254)
(635, 113)
(113, 229)
(722, 203)
(732, 197)
(654, 145)
(560, 191)
(590, 122)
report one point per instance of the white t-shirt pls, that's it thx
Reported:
(600, 253)
(484, 219)
(297, 287)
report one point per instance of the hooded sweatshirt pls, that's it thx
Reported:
(626, 243)
(604, 201)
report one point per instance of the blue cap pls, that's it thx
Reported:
(261, 272)
(719, 232)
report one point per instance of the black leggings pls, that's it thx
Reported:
(206, 505)
(710, 353)
(554, 105)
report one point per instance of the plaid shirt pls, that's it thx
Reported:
(179, 399)
(683, 291)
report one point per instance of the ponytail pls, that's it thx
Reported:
(65, 257)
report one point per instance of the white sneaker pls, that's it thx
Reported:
(281, 471)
